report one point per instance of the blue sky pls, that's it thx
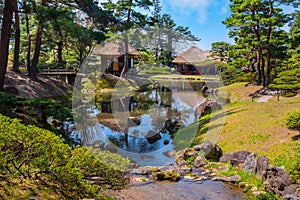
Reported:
(203, 17)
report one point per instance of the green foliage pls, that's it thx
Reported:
(190, 160)
(287, 80)
(231, 74)
(266, 196)
(39, 164)
(291, 161)
(292, 120)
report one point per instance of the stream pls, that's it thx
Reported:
(140, 126)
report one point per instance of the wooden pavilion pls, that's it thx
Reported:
(113, 55)
(189, 62)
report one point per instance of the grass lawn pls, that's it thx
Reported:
(256, 127)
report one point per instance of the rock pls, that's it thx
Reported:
(188, 153)
(170, 154)
(290, 197)
(239, 157)
(207, 107)
(224, 168)
(200, 161)
(277, 180)
(250, 164)
(211, 151)
(291, 192)
(166, 176)
(152, 137)
(184, 170)
(112, 148)
(200, 178)
(226, 157)
(232, 179)
(147, 170)
(134, 121)
(146, 157)
(98, 144)
(262, 166)
(190, 176)
(171, 126)
(242, 184)
(166, 142)
(181, 161)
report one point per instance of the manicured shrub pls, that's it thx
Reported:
(36, 163)
(292, 120)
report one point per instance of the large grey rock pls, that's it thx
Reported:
(239, 157)
(210, 151)
(250, 164)
(262, 166)
(277, 179)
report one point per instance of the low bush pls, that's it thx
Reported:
(35, 163)
(292, 120)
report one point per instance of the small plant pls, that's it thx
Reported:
(190, 160)
(292, 120)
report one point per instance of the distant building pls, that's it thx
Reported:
(113, 55)
(193, 61)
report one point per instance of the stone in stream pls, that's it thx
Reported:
(166, 142)
(250, 164)
(170, 154)
(152, 137)
(166, 176)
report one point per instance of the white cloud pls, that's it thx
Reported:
(186, 8)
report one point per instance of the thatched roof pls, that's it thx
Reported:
(193, 55)
(115, 48)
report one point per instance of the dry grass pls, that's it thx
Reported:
(256, 127)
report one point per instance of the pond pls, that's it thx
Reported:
(141, 125)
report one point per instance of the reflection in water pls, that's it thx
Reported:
(139, 125)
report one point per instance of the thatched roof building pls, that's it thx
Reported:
(113, 57)
(193, 62)
(115, 49)
(193, 55)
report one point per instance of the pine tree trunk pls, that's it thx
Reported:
(126, 56)
(269, 67)
(259, 78)
(17, 38)
(5, 37)
(28, 55)
(37, 50)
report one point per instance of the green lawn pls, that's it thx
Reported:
(252, 126)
